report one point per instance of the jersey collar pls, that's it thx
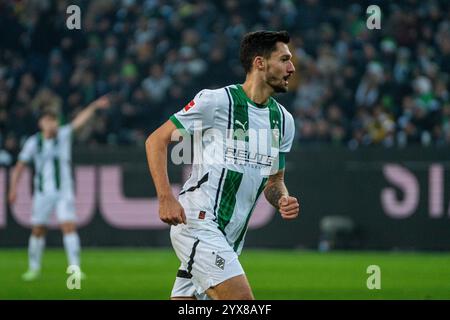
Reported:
(257, 105)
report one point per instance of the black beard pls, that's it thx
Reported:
(276, 88)
(279, 89)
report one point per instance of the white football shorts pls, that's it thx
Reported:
(206, 260)
(63, 203)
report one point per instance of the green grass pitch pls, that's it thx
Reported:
(293, 275)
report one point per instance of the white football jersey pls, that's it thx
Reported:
(52, 160)
(238, 144)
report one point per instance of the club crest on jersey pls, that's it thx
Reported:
(276, 124)
(202, 215)
(189, 106)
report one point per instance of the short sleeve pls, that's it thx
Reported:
(289, 133)
(198, 114)
(28, 150)
(65, 132)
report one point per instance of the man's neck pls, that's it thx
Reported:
(48, 135)
(257, 90)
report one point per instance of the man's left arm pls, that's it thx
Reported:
(87, 113)
(276, 192)
(278, 196)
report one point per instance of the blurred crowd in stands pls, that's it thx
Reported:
(353, 87)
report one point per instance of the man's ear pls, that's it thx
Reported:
(259, 63)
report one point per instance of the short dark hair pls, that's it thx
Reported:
(260, 43)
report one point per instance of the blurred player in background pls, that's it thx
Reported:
(210, 218)
(51, 151)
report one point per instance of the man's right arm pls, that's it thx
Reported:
(87, 113)
(156, 145)
(25, 156)
(15, 177)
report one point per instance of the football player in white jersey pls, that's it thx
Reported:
(244, 135)
(50, 151)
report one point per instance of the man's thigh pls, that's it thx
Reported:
(236, 288)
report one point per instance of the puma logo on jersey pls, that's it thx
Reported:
(242, 125)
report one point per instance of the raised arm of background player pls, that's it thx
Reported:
(170, 210)
(80, 120)
(87, 113)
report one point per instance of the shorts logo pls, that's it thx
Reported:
(220, 262)
(201, 215)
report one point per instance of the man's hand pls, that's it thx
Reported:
(87, 113)
(12, 196)
(171, 211)
(289, 207)
(103, 102)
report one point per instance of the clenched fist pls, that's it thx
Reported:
(171, 211)
(288, 207)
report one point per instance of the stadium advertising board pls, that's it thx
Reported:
(395, 200)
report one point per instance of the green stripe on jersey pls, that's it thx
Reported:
(244, 229)
(176, 122)
(57, 166)
(40, 141)
(39, 172)
(275, 123)
(57, 172)
(230, 187)
(240, 114)
(282, 160)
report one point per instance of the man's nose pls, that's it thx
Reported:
(291, 68)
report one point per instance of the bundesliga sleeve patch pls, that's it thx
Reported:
(189, 106)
